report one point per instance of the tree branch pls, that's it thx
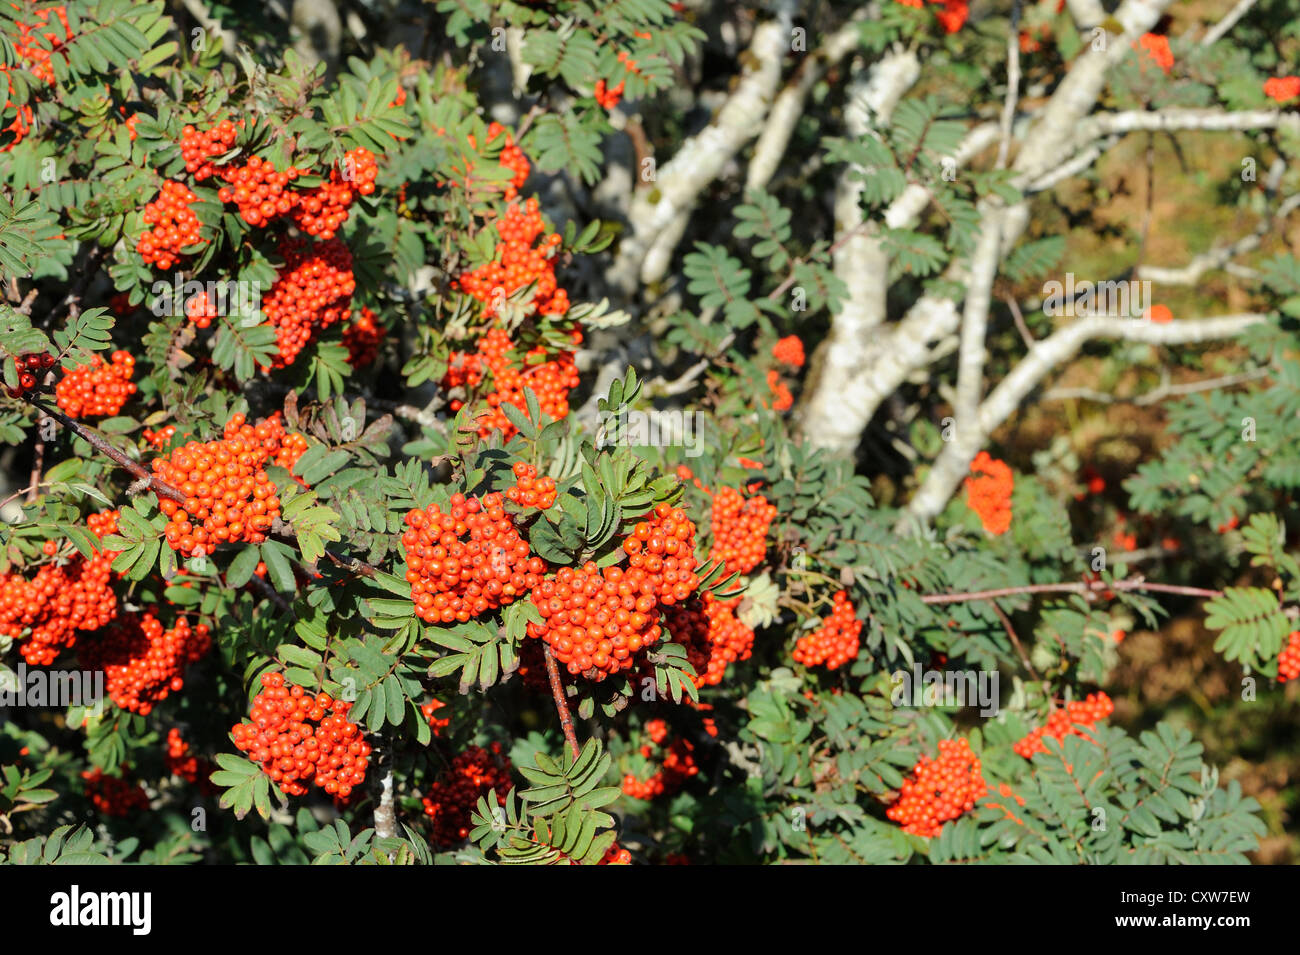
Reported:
(561, 703)
(645, 253)
(1220, 29)
(156, 484)
(906, 347)
(789, 104)
(1087, 587)
(954, 460)
(162, 488)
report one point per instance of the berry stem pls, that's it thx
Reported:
(561, 704)
(1076, 587)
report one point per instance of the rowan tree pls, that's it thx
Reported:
(566, 432)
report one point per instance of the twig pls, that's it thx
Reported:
(354, 564)
(561, 704)
(1015, 640)
(1077, 587)
(17, 494)
(163, 489)
(71, 301)
(1013, 85)
(271, 592)
(662, 388)
(28, 301)
(157, 485)
(1021, 327)
(1160, 393)
(533, 112)
(1221, 28)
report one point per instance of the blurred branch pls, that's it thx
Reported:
(1013, 84)
(896, 354)
(789, 105)
(954, 460)
(1087, 587)
(1220, 29)
(656, 226)
(1159, 394)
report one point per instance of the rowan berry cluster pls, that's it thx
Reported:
(1073, 719)
(739, 530)
(31, 368)
(39, 64)
(1155, 47)
(988, 492)
(615, 855)
(21, 124)
(60, 600)
(939, 790)
(332, 753)
(180, 761)
(657, 730)
(952, 17)
(436, 723)
(113, 795)
(161, 437)
(228, 496)
(324, 209)
(529, 490)
(473, 774)
(200, 146)
(260, 192)
(608, 96)
(712, 635)
(312, 291)
(1288, 661)
(362, 338)
(30, 49)
(782, 398)
(789, 351)
(97, 389)
(677, 767)
(595, 620)
(551, 379)
(175, 226)
(144, 663)
(512, 157)
(517, 264)
(663, 545)
(467, 561)
(1093, 481)
(835, 642)
(1282, 88)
